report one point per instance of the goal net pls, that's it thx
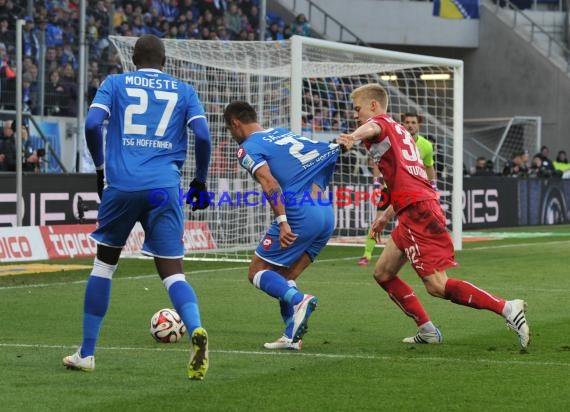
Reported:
(499, 139)
(305, 84)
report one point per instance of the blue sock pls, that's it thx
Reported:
(275, 285)
(286, 310)
(184, 300)
(97, 297)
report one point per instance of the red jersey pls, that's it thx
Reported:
(399, 160)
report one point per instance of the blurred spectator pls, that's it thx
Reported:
(54, 31)
(483, 167)
(301, 26)
(233, 20)
(8, 155)
(31, 40)
(7, 35)
(544, 155)
(515, 167)
(54, 93)
(7, 149)
(561, 164)
(29, 93)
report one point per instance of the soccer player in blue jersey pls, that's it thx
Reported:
(293, 172)
(145, 147)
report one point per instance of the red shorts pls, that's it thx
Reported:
(421, 233)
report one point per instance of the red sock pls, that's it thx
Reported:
(466, 294)
(403, 295)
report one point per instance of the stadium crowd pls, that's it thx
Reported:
(53, 27)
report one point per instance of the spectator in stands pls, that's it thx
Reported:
(546, 162)
(540, 168)
(483, 167)
(7, 149)
(54, 31)
(9, 156)
(31, 40)
(561, 164)
(233, 20)
(301, 26)
(29, 93)
(7, 35)
(515, 167)
(54, 93)
(275, 31)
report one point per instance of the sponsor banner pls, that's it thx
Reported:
(544, 201)
(68, 241)
(197, 236)
(49, 199)
(20, 244)
(489, 202)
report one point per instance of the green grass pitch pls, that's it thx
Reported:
(352, 358)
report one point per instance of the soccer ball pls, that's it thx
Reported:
(166, 326)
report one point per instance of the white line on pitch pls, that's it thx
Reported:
(194, 272)
(304, 354)
(557, 242)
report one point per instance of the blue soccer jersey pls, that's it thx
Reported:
(149, 112)
(296, 162)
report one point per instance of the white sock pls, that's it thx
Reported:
(427, 327)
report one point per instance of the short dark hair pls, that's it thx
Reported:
(241, 111)
(411, 114)
(13, 126)
(149, 52)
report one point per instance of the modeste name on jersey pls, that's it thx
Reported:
(134, 80)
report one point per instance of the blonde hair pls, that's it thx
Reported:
(372, 91)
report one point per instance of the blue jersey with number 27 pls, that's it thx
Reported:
(146, 140)
(295, 161)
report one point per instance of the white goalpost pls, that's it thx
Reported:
(304, 84)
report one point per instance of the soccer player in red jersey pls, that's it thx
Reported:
(421, 235)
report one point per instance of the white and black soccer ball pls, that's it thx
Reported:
(166, 326)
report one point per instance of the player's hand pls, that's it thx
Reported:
(198, 195)
(100, 183)
(286, 236)
(377, 227)
(346, 141)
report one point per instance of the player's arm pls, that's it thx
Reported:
(273, 191)
(94, 137)
(202, 147)
(198, 194)
(368, 130)
(429, 165)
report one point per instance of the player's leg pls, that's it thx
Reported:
(274, 284)
(466, 294)
(116, 217)
(96, 303)
(164, 229)
(386, 272)
(431, 251)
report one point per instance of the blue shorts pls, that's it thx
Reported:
(163, 224)
(313, 223)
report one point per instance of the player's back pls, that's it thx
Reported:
(296, 162)
(400, 164)
(146, 140)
